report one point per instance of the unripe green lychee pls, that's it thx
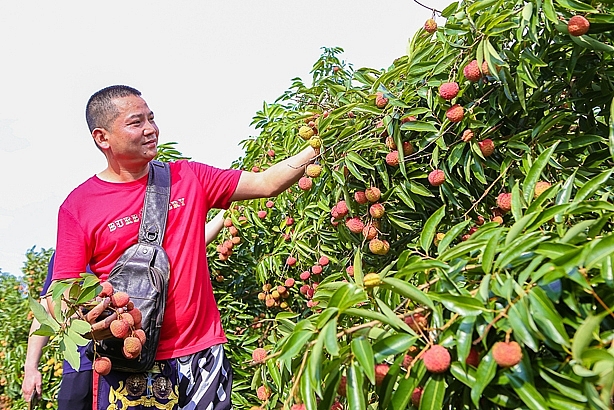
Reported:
(455, 113)
(437, 359)
(313, 170)
(448, 91)
(372, 279)
(305, 132)
(507, 354)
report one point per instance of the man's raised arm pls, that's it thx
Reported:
(274, 180)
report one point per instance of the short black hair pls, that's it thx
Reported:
(100, 110)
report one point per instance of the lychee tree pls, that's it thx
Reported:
(471, 269)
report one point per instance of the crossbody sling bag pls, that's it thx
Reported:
(142, 271)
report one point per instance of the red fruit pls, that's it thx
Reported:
(472, 71)
(300, 406)
(271, 153)
(541, 187)
(417, 322)
(102, 366)
(342, 209)
(467, 135)
(259, 355)
(377, 210)
(316, 269)
(485, 69)
(354, 224)
(360, 197)
(369, 232)
(270, 204)
(341, 389)
(507, 354)
(119, 328)
(350, 270)
(407, 359)
(127, 317)
(233, 231)
(381, 370)
(263, 393)
(132, 345)
(487, 147)
(473, 358)
(305, 183)
(119, 299)
(227, 222)
(408, 149)
(107, 289)
(437, 177)
(408, 119)
(430, 26)
(255, 169)
(323, 260)
(291, 261)
(140, 334)
(578, 26)
(262, 214)
(336, 406)
(289, 282)
(303, 289)
(380, 100)
(373, 194)
(305, 275)
(504, 202)
(416, 396)
(437, 359)
(448, 91)
(455, 113)
(392, 158)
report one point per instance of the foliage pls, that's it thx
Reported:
(539, 273)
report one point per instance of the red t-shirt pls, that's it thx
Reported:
(99, 220)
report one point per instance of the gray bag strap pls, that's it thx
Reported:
(155, 208)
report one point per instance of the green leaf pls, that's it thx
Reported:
(600, 249)
(69, 349)
(420, 126)
(527, 392)
(357, 159)
(534, 174)
(329, 336)
(592, 186)
(428, 231)
(347, 296)
(358, 267)
(485, 373)
(451, 235)
(296, 342)
(576, 5)
(408, 290)
(361, 348)
(434, 393)
(463, 305)
(392, 346)
(585, 334)
(522, 324)
(80, 326)
(611, 134)
(355, 391)
(546, 317)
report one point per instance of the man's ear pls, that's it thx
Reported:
(100, 136)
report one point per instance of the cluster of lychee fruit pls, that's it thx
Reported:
(393, 156)
(276, 296)
(224, 249)
(126, 326)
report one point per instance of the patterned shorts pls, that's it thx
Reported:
(200, 381)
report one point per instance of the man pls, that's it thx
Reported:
(100, 219)
(75, 391)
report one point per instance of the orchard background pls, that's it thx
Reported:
(479, 272)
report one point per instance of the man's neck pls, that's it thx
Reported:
(116, 173)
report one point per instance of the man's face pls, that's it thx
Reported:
(133, 135)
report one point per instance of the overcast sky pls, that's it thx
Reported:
(204, 67)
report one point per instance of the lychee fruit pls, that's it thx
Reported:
(140, 334)
(373, 194)
(269, 204)
(448, 91)
(369, 232)
(504, 202)
(313, 170)
(360, 197)
(350, 270)
(372, 279)
(485, 69)
(578, 26)
(377, 211)
(354, 224)
(119, 299)
(127, 317)
(541, 187)
(381, 370)
(409, 118)
(487, 147)
(498, 219)
(133, 345)
(289, 282)
(291, 261)
(263, 393)
(336, 406)
(102, 365)
(416, 322)
(408, 149)
(289, 221)
(392, 158)
(437, 177)
(316, 269)
(473, 358)
(416, 396)
(119, 328)
(227, 222)
(305, 275)
(407, 359)
(323, 260)
(380, 100)
(467, 135)
(472, 71)
(378, 247)
(315, 142)
(305, 183)
(430, 26)
(341, 389)
(390, 144)
(299, 406)
(437, 359)
(259, 355)
(455, 113)
(305, 132)
(262, 214)
(342, 209)
(271, 153)
(107, 289)
(507, 354)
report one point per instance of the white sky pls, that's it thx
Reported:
(204, 67)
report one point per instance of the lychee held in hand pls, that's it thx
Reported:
(448, 91)
(305, 132)
(313, 170)
(437, 359)
(507, 354)
(578, 26)
(119, 299)
(107, 289)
